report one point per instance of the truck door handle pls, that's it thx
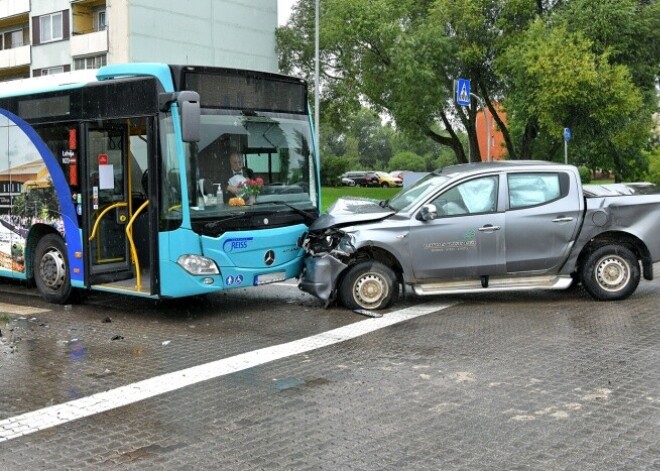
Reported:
(563, 219)
(489, 228)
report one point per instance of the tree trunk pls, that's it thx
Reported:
(501, 126)
(453, 142)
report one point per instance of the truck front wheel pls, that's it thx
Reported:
(368, 285)
(610, 273)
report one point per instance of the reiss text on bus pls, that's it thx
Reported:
(155, 180)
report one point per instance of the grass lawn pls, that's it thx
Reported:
(330, 194)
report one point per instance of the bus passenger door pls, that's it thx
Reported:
(107, 203)
(121, 222)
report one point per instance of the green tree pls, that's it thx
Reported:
(407, 160)
(575, 88)
(401, 57)
(373, 138)
(653, 174)
(331, 168)
(382, 52)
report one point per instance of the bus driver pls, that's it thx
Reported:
(239, 173)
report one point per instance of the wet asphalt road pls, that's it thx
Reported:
(545, 380)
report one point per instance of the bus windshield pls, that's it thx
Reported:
(249, 162)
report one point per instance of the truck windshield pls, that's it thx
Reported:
(420, 190)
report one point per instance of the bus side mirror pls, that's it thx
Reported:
(190, 116)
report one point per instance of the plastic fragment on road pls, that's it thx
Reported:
(367, 313)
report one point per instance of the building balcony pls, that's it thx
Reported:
(15, 57)
(89, 44)
(12, 8)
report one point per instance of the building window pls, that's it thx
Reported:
(11, 39)
(51, 27)
(101, 25)
(52, 70)
(93, 62)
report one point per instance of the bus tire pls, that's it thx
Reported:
(51, 270)
(368, 285)
(610, 273)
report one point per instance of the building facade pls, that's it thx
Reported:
(495, 138)
(42, 37)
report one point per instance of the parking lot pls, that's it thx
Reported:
(265, 378)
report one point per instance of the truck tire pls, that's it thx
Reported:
(51, 270)
(368, 285)
(610, 273)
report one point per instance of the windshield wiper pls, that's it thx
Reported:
(308, 217)
(213, 225)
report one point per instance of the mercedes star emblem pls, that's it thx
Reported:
(269, 258)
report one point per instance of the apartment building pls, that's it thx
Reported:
(42, 37)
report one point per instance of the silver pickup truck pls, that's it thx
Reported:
(497, 226)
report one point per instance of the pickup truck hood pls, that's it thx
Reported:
(350, 210)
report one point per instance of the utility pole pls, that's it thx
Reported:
(317, 124)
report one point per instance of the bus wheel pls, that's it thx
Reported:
(368, 285)
(51, 271)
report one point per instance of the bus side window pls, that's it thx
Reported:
(171, 197)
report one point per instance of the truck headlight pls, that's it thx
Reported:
(198, 265)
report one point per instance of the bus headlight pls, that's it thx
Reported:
(198, 265)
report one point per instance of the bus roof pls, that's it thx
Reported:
(47, 83)
(80, 78)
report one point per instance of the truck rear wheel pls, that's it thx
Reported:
(368, 285)
(610, 273)
(51, 270)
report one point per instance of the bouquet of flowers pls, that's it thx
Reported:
(251, 187)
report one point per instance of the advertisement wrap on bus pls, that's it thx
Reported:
(155, 180)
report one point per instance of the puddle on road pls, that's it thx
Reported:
(292, 382)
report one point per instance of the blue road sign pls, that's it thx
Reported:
(463, 92)
(567, 134)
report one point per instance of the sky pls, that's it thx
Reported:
(284, 10)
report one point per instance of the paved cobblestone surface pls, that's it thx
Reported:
(527, 381)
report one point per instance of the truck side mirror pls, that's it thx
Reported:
(428, 213)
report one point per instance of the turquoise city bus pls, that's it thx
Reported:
(118, 180)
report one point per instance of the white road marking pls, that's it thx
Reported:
(41, 419)
(23, 310)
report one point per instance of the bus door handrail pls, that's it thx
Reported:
(100, 216)
(129, 236)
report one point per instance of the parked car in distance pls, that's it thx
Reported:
(386, 180)
(345, 181)
(398, 174)
(361, 178)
